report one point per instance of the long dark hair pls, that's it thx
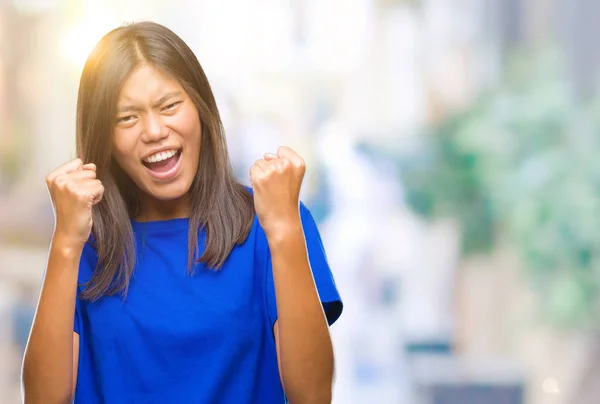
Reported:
(218, 203)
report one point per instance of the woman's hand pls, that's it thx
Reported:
(276, 181)
(74, 190)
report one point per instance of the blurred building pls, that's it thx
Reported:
(332, 78)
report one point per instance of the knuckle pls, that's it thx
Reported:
(60, 182)
(68, 187)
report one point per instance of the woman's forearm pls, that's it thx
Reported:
(305, 347)
(48, 362)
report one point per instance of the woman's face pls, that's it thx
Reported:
(156, 140)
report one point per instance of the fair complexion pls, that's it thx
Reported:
(304, 347)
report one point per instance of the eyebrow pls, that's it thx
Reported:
(161, 100)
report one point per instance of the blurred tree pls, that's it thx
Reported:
(521, 165)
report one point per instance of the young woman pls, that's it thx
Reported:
(184, 286)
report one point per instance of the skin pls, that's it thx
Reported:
(304, 347)
(155, 112)
(49, 365)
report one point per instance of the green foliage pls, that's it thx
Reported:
(523, 164)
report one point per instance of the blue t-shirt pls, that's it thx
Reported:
(180, 338)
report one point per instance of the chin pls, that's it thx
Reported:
(169, 192)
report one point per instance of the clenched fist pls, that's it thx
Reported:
(74, 190)
(276, 181)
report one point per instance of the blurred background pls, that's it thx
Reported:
(452, 150)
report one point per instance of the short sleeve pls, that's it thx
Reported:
(77, 321)
(328, 293)
(87, 264)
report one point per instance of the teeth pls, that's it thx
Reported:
(160, 156)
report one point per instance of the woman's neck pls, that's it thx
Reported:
(154, 209)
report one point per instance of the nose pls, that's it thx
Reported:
(154, 129)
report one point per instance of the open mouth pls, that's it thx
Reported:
(163, 163)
